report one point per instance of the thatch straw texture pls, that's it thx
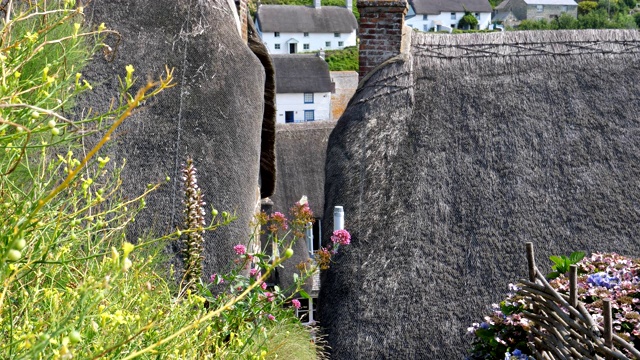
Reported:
(214, 113)
(300, 158)
(450, 157)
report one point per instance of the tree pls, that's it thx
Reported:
(585, 7)
(564, 22)
(468, 21)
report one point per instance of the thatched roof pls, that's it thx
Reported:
(449, 158)
(301, 74)
(214, 113)
(301, 152)
(440, 6)
(297, 19)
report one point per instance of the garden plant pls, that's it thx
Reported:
(73, 284)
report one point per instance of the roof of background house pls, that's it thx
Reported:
(301, 74)
(295, 18)
(551, 2)
(502, 16)
(449, 158)
(439, 6)
(503, 5)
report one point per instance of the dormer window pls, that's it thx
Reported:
(276, 34)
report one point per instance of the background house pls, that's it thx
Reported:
(303, 88)
(426, 15)
(290, 29)
(542, 9)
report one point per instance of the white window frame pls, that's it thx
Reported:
(453, 16)
(305, 46)
(336, 35)
(310, 318)
(276, 34)
(564, 8)
(539, 8)
(276, 46)
(327, 44)
(425, 17)
(305, 34)
(340, 43)
(308, 98)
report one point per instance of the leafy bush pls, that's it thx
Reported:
(343, 60)
(585, 7)
(600, 276)
(468, 21)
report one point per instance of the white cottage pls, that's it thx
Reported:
(428, 15)
(291, 29)
(303, 88)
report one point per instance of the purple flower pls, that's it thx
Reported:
(271, 317)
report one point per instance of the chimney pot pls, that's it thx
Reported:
(317, 4)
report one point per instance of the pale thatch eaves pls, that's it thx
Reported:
(297, 19)
(301, 74)
(449, 158)
(439, 6)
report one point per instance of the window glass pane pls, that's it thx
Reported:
(336, 34)
(305, 46)
(277, 46)
(306, 34)
(340, 43)
(327, 44)
(453, 16)
(308, 98)
(276, 34)
(308, 115)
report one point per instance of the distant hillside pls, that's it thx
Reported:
(252, 4)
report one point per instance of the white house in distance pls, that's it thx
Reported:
(303, 88)
(428, 15)
(291, 29)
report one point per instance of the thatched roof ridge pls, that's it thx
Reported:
(450, 158)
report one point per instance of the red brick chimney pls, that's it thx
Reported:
(243, 15)
(381, 23)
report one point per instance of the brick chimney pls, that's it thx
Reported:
(317, 4)
(381, 23)
(243, 15)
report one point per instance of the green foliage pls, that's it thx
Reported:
(585, 7)
(468, 21)
(540, 24)
(343, 60)
(636, 18)
(495, 3)
(563, 263)
(564, 22)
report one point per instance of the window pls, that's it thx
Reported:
(340, 43)
(308, 115)
(305, 46)
(453, 16)
(453, 26)
(425, 28)
(425, 17)
(539, 8)
(276, 34)
(305, 34)
(307, 311)
(327, 44)
(336, 35)
(308, 98)
(477, 16)
(564, 8)
(277, 46)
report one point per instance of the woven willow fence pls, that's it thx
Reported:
(562, 328)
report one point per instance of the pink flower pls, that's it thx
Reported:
(341, 237)
(263, 286)
(216, 279)
(240, 249)
(254, 272)
(270, 296)
(271, 317)
(295, 303)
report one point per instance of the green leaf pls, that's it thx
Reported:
(304, 294)
(556, 259)
(553, 275)
(576, 256)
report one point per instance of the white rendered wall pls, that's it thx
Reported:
(316, 41)
(417, 21)
(295, 102)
